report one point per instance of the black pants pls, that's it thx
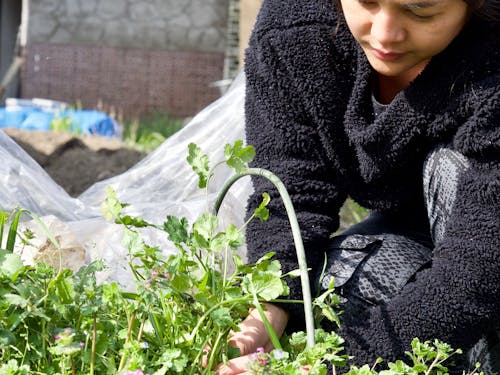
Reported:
(371, 261)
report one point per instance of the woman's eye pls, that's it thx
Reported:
(422, 17)
(367, 2)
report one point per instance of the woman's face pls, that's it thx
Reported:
(399, 37)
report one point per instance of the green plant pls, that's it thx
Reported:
(425, 358)
(10, 220)
(179, 318)
(57, 322)
(64, 123)
(148, 132)
(351, 213)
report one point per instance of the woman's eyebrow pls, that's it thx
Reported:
(420, 4)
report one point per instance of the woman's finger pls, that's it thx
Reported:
(235, 366)
(253, 334)
(241, 364)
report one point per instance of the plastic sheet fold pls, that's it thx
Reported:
(161, 184)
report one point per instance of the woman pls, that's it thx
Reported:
(395, 103)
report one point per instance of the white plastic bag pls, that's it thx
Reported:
(161, 184)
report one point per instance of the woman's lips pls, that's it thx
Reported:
(387, 55)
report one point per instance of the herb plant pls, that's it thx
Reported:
(181, 314)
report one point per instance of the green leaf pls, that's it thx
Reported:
(173, 359)
(364, 370)
(444, 349)
(238, 262)
(12, 368)
(294, 274)
(4, 218)
(298, 340)
(16, 300)
(218, 243)
(200, 164)
(6, 338)
(237, 165)
(11, 239)
(232, 352)
(111, 208)
(132, 241)
(202, 285)
(64, 350)
(266, 285)
(64, 286)
(222, 317)
(233, 293)
(205, 226)
(262, 212)
(200, 241)
(237, 155)
(137, 222)
(10, 264)
(328, 312)
(266, 257)
(178, 230)
(181, 282)
(400, 367)
(234, 236)
(90, 269)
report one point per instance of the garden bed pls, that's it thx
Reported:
(76, 162)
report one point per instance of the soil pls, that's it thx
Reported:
(76, 162)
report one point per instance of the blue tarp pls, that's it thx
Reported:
(80, 121)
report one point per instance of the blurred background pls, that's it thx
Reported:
(131, 57)
(148, 64)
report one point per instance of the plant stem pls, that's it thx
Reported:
(141, 330)
(27, 343)
(94, 339)
(213, 353)
(158, 329)
(224, 274)
(127, 339)
(269, 328)
(434, 363)
(214, 307)
(3, 221)
(198, 356)
(299, 246)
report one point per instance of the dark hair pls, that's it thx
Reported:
(488, 10)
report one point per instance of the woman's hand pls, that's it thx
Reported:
(253, 335)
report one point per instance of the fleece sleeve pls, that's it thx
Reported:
(457, 299)
(288, 142)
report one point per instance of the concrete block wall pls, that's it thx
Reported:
(138, 56)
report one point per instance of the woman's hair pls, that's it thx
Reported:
(488, 10)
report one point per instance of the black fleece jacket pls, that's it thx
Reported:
(310, 117)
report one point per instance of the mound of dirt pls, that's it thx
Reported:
(76, 162)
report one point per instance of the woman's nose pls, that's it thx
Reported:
(387, 28)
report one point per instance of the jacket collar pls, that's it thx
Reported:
(427, 113)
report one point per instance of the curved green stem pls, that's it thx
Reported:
(299, 245)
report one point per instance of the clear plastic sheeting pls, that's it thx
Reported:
(161, 184)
